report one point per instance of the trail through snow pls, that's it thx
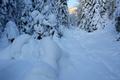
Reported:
(93, 56)
(77, 56)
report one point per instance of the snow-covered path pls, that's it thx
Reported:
(77, 56)
(93, 56)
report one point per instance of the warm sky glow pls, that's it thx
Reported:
(73, 10)
(72, 3)
(72, 6)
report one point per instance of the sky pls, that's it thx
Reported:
(72, 3)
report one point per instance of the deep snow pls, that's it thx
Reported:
(76, 56)
(93, 56)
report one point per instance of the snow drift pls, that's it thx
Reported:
(30, 59)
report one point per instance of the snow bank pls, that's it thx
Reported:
(25, 47)
(30, 59)
(14, 50)
(26, 70)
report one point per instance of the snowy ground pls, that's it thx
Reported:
(77, 56)
(93, 56)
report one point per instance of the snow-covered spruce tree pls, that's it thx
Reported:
(62, 12)
(3, 12)
(55, 16)
(94, 13)
(24, 19)
(44, 17)
(61, 8)
(38, 17)
(11, 10)
(8, 12)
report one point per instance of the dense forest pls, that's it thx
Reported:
(45, 17)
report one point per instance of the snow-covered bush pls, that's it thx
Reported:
(42, 26)
(11, 31)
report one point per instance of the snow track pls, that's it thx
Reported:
(94, 56)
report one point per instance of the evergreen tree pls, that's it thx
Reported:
(3, 13)
(94, 13)
(35, 17)
(62, 13)
(45, 17)
(8, 11)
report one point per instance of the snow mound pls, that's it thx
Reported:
(26, 47)
(11, 30)
(30, 59)
(14, 50)
(26, 70)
